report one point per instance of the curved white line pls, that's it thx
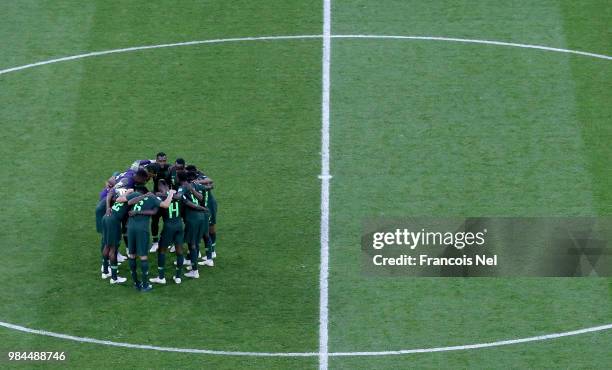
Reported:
(155, 348)
(474, 41)
(478, 345)
(309, 354)
(146, 47)
(302, 37)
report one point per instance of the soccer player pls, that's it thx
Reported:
(172, 234)
(179, 166)
(195, 220)
(210, 202)
(138, 234)
(140, 181)
(100, 212)
(160, 170)
(111, 234)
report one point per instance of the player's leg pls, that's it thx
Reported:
(193, 239)
(105, 249)
(114, 245)
(179, 263)
(212, 229)
(120, 257)
(212, 232)
(142, 249)
(132, 236)
(100, 211)
(208, 260)
(187, 239)
(155, 232)
(105, 262)
(177, 240)
(164, 241)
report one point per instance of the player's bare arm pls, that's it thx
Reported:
(137, 199)
(149, 212)
(168, 200)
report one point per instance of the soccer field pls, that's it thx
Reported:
(439, 108)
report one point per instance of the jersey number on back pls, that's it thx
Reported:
(138, 206)
(173, 211)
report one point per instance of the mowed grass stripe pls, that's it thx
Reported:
(440, 130)
(250, 115)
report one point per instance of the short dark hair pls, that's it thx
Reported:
(142, 173)
(160, 154)
(191, 168)
(182, 176)
(162, 182)
(191, 175)
(153, 168)
(180, 161)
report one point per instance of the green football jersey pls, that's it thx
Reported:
(174, 213)
(119, 210)
(145, 204)
(187, 195)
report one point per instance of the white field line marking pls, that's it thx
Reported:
(474, 41)
(309, 354)
(479, 345)
(325, 177)
(160, 46)
(301, 37)
(156, 348)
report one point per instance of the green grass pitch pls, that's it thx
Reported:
(417, 128)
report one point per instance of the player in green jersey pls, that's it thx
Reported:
(172, 234)
(138, 235)
(210, 202)
(195, 220)
(159, 170)
(173, 171)
(111, 230)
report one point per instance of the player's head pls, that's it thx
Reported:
(163, 186)
(152, 169)
(179, 164)
(161, 158)
(182, 177)
(112, 181)
(191, 175)
(141, 176)
(207, 182)
(191, 168)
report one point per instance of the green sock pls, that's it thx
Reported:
(144, 269)
(161, 264)
(132, 263)
(114, 270)
(105, 265)
(179, 265)
(194, 259)
(213, 240)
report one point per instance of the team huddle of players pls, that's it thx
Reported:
(181, 196)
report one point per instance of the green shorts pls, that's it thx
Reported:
(195, 230)
(138, 241)
(111, 231)
(172, 234)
